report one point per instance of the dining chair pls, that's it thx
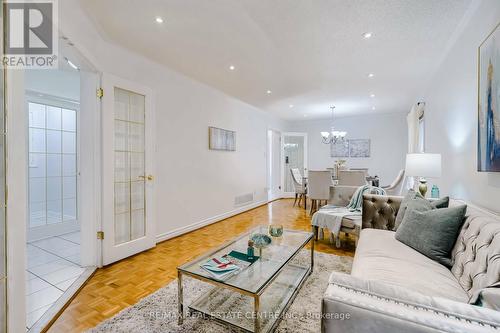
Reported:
(397, 185)
(352, 177)
(299, 187)
(318, 188)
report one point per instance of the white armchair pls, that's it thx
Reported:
(397, 185)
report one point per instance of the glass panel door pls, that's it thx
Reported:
(129, 152)
(128, 223)
(294, 147)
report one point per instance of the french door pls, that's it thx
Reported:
(127, 136)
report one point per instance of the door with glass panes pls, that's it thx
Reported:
(128, 222)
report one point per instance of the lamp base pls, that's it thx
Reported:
(422, 188)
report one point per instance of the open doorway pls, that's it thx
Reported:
(273, 165)
(59, 255)
(294, 157)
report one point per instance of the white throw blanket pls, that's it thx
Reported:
(330, 216)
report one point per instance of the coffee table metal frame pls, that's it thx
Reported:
(255, 295)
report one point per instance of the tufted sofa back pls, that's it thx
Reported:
(379, 211)
(476, 255)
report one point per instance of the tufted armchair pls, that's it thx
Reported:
(379, 211)
(393, 288)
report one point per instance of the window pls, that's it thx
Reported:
(52, 164)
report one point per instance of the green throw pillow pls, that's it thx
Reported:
(418, 202)
(432, 232)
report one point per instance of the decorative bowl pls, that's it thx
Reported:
(260, 241)
(276, 230)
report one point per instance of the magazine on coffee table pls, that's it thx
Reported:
(222, 267)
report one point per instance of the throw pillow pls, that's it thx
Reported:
(421, 202)
(402, 207)
(441, 203)
(433, 232)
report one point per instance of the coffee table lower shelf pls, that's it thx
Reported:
(241, 311)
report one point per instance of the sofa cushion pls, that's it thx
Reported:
(432, 232)
(379, 256)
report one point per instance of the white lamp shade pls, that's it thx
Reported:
(423, 165)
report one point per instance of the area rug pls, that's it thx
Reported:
(157, 312)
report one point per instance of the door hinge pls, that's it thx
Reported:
(100, 92)
(100, 235)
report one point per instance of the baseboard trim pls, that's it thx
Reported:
(183, 230)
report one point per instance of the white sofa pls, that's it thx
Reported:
(393, 288)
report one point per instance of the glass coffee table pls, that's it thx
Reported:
(255, 298)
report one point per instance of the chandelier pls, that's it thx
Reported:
(333, 136)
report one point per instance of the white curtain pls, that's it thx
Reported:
(413, 120)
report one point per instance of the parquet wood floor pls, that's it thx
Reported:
(124, 283)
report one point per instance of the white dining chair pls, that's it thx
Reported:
(352, 177)
(299, 187)
(318, 188)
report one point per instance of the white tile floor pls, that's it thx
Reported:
(53, 265)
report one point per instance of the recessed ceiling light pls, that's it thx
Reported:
(159, 19)
(291, 106)
(305, 116)
(371, 75)
(269, 92)
(367, 35)
(372, 95)
(232, 68)
(373, 108)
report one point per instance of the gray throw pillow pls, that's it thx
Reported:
(441, 203)
(402, 208)
(420, 204)
(433, 232)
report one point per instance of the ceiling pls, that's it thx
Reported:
(311, 54)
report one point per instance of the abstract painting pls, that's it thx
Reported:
(339, 149)
(488, 147)
(359, 148)
(221, 139)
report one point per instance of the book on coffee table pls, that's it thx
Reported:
(222, 267)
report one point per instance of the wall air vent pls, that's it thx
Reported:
(244, 199)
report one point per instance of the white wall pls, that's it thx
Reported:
(192, 183)
(451, 114)
(58, 83)
(388, 134)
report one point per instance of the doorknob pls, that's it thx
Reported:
(148, 177)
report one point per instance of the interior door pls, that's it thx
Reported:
(127, 135)
(294, 156)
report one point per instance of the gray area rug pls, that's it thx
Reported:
(158, 311)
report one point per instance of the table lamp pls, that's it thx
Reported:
(423, 166)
